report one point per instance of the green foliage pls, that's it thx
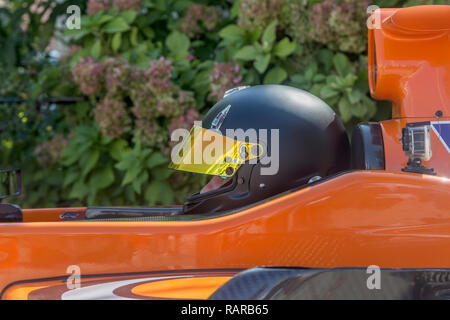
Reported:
(259, 52)
(112, 147)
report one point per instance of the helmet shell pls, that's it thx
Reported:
(311, 142)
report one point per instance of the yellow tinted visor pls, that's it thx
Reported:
(209, 152)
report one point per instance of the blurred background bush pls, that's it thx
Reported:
(87, 113)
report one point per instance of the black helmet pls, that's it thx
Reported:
(304, 141)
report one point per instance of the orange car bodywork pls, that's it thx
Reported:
(386, 218)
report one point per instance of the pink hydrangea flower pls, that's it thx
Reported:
(257, 14)
(94, 6)
(224, 76)
(198, 15)
(127, 4)
(112, 117)
(51, 151)
(88, 75)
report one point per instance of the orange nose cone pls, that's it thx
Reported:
(423, 18)
(408, 60)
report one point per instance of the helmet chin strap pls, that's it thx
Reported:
(215, 183)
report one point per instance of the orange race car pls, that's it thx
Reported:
(299, 214)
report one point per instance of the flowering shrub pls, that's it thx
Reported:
(198, 16)
(50, 152)
(185, 121)
(95, 6)
(155, 95)
(294, 17)
(112, 117)
(257, 14)
(127, 4)
(147, 94)
(340, 26)
(224, 76)
(117, 75)
(88, 74)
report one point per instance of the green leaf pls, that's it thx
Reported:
(96, 49)
(354, 96)
(325, 57)
(79, 190)
(91, 196)
(118, 24)
(152, 192)
(102, 178)
(315, 89)
(137, 183)
(103, 18)
(118, 148)
(128, 16)
(342, 64)
(167, 195)
(261, 62)
(155, 160)
(268, 37)
(298, 80)
(131, 174)
(333, 80)
(333, 101)
(201, 82)
(159, 192)
(345, 109)
(116, 41)
(370, 105)
(89, 160)
(161, 5)
(148, 3)
(235, 9)
(177, 42)
(77, 34)
(231, 32)
(70, 177)
(328, 92)
(76, 147)
(161, 173)
(298, 50)
(275, 76)
(284, 48)
(149, 33)
(251, 77)
(311, 71)
(246, 53)
(181, 5)
(359, 110)
(133, 36)
(319, 78)
(349, 80)
(127, 161)
(104, 140)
